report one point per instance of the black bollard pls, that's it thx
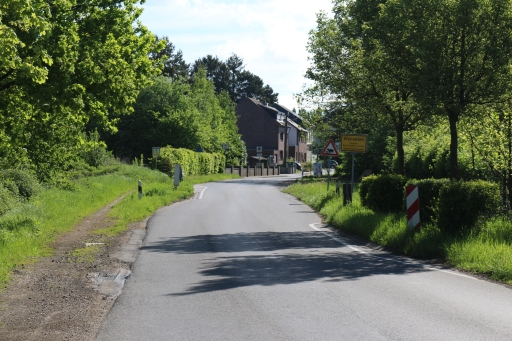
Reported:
(347, 194)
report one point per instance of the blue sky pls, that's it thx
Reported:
(269, 35)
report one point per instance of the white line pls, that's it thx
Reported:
(384, 258)
(201, 193)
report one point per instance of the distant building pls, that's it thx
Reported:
(263, 130)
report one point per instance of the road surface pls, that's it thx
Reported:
(243, 261)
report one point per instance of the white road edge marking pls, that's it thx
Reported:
(201, 193)
(356, 249)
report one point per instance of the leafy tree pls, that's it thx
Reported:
(178, 114)
(457, 52)
(352, 70)
(67, 62)
(163, 115)
(174, 64)
(490, 136)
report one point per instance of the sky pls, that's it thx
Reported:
(269, 35)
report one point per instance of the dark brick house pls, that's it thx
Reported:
(263, 126)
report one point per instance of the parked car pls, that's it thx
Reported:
(297, 165)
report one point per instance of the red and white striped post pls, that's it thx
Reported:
(413, 207)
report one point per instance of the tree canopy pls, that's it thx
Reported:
(174, 64)
(63, 63)
(181, 115)
(458, 53)
(403, 61)
(231, 76)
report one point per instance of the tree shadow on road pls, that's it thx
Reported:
(234, 272)
(272, 258)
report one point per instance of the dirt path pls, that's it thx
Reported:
(57, 298)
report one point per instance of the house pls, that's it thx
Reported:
(264, 128)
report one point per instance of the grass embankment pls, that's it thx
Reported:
(486, 250)
(26, 232)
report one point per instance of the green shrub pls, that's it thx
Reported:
(94, 151)
(383, 193)
(78, 169)
(428, 190)
(97, 156)
(339, 171)
(461, 204)
(192, 163)
(7, 200)
(22, 183)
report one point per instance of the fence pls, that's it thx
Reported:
(248, 171)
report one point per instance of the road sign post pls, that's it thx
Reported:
(177, 175)
(354, 143)
(156, 155)
(329, 151)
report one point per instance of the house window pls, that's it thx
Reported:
(280, 155)
(281, 136)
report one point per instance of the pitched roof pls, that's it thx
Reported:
(274, 112)
(294, 116)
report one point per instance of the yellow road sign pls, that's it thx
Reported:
(354, 143)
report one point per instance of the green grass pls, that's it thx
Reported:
(487, 250)
(26, 232)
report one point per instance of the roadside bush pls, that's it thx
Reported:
(191, 162)
(339, 171)
(461, 204)
(383, 193)
(7, 200)
(94, 151)
(21, 183)
(429, 197)
(307, 166)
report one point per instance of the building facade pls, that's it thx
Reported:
(264, 129)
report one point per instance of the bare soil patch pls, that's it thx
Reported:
(55, 298)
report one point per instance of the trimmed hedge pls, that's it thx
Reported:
(429, 197)
(192, 163)
(461, 204)
(454, 207)
(383, 193)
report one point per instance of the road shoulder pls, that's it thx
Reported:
(58, 297)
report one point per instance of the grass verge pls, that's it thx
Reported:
(27, 231)
(487, 250)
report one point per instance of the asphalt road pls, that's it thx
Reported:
(243, 261)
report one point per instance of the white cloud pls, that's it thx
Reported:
(270, 36)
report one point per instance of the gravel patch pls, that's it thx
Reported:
(67, 296)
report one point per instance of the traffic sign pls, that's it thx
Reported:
(156, 151)
(354, 143)
(329, 149)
